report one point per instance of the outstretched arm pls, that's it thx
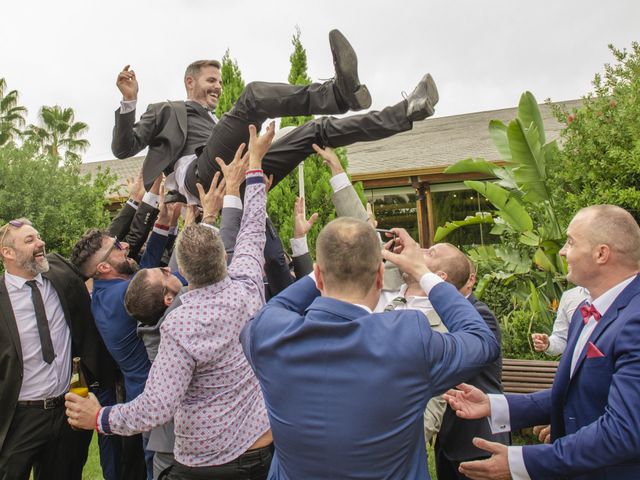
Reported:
(130, 137)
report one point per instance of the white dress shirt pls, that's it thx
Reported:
(499, 419)
(40, 380)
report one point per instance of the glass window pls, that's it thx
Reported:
(453, 201)
(395, 207)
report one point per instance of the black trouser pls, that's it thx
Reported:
(251, 465)
(260, 101)
(43, 440)
(447, 469)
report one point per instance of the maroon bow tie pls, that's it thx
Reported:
(587, 311)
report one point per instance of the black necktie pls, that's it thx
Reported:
(43, 324)
(395, 303)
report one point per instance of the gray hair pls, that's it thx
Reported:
(201, 256)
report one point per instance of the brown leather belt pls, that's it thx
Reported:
(47, 403)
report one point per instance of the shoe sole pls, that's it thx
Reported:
(346, 60)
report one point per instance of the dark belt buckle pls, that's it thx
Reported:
(50, 403)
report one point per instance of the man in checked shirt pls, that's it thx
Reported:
(201, 376)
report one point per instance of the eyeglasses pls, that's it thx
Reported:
(116, 246)
(13, 223)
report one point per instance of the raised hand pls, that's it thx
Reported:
(330, 159)
(236, 171)
(191, 215)
(371, 218)
(164, 212)
(258, 146)
(301, 225)
(127, 84)
(468, 402)
(136, 187)
(212, 200)
(407, 254)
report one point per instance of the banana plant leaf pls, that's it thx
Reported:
(529, 114)
(472, 165)
(498, 132)
(509, 208)
(478, 218)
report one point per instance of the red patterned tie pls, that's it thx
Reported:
(587, 311)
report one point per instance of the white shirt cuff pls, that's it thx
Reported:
(127, 106)
(160, 231)
(339, 181)
(428, 281)
(516, 464)
(499, 420)
(299, 246)
(133, 204)
(152, 199)
(231, 201)
(556, 345)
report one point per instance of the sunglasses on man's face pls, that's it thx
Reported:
(13, 223)
(116, 246)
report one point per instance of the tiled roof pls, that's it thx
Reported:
(432, 145)
(439, 142)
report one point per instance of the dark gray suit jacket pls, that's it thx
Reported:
(163, 128)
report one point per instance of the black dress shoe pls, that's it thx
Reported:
(355, 95)
(422, 100)
(174, 196)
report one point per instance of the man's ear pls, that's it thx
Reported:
(168, 298)
(8, 252)
(602, 253)
(188, 83)
(318, 274)
(442, 275)
(103, 267)
(380, 277)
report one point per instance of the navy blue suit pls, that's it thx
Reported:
(594, 415)
(346, 389)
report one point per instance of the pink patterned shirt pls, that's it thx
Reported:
(200, 372)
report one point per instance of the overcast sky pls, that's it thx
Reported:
(482, 54)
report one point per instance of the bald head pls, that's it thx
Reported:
(446, 258)
(613, 226)
(348, 255)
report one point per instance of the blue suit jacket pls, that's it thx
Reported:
(345, 389)
(594, 415)
(118, 329)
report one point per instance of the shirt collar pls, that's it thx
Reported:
(604, 301)
(363, 307)
(19, 282)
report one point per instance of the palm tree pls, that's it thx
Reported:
(11, 114)
(59, 133)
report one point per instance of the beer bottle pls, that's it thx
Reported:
(78, 383)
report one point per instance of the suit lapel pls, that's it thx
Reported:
(9, 319)
(202, 112)
(607, 319)
(563, 375)
(180, 109)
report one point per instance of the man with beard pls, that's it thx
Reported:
(99, 256)
(45, 320)
(185, 137)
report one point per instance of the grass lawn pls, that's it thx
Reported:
(92, 470)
